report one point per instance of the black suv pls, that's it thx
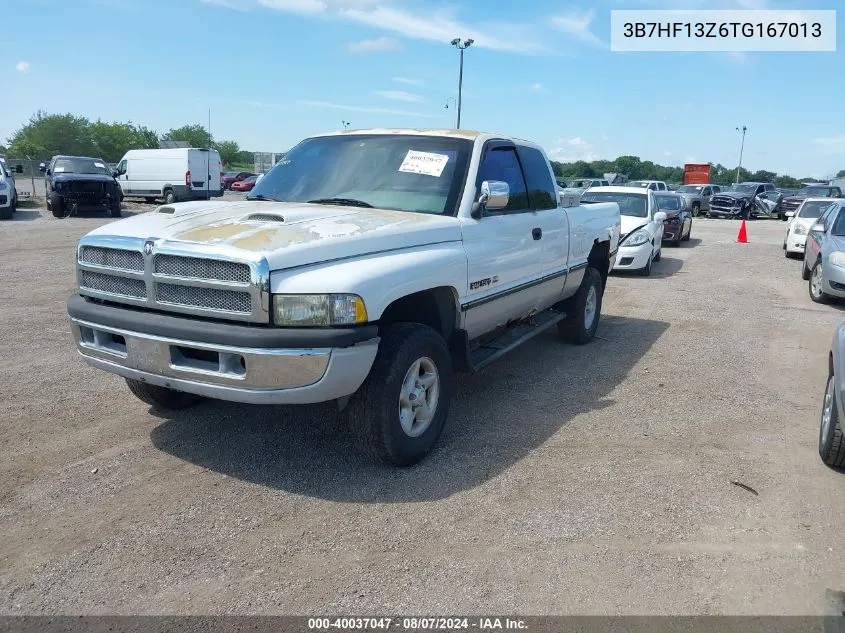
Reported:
(75, 183)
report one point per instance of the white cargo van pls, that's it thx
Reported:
(170, 174)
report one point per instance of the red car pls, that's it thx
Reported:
(229, 178)
(244, 185)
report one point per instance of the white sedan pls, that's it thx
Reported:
(800, 222)
(642, 226)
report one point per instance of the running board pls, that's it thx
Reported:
(513, 337)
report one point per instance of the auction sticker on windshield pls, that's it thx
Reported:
(425, 163)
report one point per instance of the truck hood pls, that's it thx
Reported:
(690, 196)
(736, 195)
(70, 177)
(631, 223)
(286, 234)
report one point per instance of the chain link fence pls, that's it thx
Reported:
(29, 181)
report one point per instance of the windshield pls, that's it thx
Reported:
(80, 166)
(816, 192)
(424, 174)
(813, 209)
(633, 204)
(638, 183)
(668, 203)
(690, 189)
(741, 189)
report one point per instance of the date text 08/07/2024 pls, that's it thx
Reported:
(416, 623)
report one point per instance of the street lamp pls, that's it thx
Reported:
(741, 148)
(461, 46)
(346, 124)
(452, 99)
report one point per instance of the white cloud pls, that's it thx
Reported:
(578, 26)
(538, 88)
(831, 144)
(399, 95)
(410, 81)
(370, 109)
(666, 152)
(22, 67)
(379, 44)
(738, 56)
(570, 150)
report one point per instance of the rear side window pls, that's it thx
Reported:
(501, 163)
(541, 187)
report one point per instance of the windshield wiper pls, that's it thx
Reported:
(261, 196)
(346, 202)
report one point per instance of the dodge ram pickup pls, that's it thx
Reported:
(367, 267)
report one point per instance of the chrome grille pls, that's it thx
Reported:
(112, 258)
(113, 284)
(201, 268)
(207, 298)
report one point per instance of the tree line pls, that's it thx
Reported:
(46, 135)
(636, 169)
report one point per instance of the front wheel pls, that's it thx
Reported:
(57, 206)
(399, 412)
(696, 209)
(831, 440)
(583, 310)
(646, 270)
(161, 397)
(805, 272)
(816, 285)
(687, 237)
(114, 209)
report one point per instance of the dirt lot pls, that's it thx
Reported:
(591, 480)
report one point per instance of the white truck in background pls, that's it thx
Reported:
(367, 267)
(171, 175)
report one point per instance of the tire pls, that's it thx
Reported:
(831, 439)
(689, 233)
(6, 214)
(696, 209)
(161, 397)
(57, 206)
(114, 210)
(169, 196)
(583, 310)
(659, 253)
(646, 270)
(373, 413)
(783, 217)
(14, 205)
(788, 255)
(805, 272)
(816, 274)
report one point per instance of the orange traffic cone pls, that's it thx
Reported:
(742, 236)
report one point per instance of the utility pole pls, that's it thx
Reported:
(741, 148)
(461, 46)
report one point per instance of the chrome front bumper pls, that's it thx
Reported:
(249, 375)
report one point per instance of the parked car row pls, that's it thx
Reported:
(229, 178)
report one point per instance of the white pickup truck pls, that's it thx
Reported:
(368, 266)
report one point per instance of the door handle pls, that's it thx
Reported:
(537, 233)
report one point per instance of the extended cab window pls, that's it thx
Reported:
(501, 163)
(541, 188)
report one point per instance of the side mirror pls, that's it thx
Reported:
(494, 195)
(42, 168)
(790, 214)
(115, 173)
(817, 228)
(660, 216)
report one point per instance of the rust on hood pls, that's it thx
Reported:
(213, 233)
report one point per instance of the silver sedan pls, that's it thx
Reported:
(824, 255)
(831, 440)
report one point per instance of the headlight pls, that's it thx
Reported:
(799, 229)
(637, 238)
(318, 310)
(837, 258)
(3, 186)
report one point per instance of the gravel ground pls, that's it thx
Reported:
(570, 480)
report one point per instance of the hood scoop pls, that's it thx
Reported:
(264, 217)
(166, 210)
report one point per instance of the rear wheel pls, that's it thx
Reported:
(696, 208)
(831, 439)
(169, 196)
(162, 397)
(805, 272)
(583, 310)
(400, 410)
(816, 285)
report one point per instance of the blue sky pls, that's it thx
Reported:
(276, 71)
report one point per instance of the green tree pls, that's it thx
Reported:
(631, 166)
(113, 140)
(228, 150)
(54, 133)
(27, 149)
(762, 175)
(195, 135)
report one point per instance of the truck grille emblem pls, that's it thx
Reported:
(148, 247)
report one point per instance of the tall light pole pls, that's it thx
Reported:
(461, 45)
(741, 148)
(454, 103)
(346, 124)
